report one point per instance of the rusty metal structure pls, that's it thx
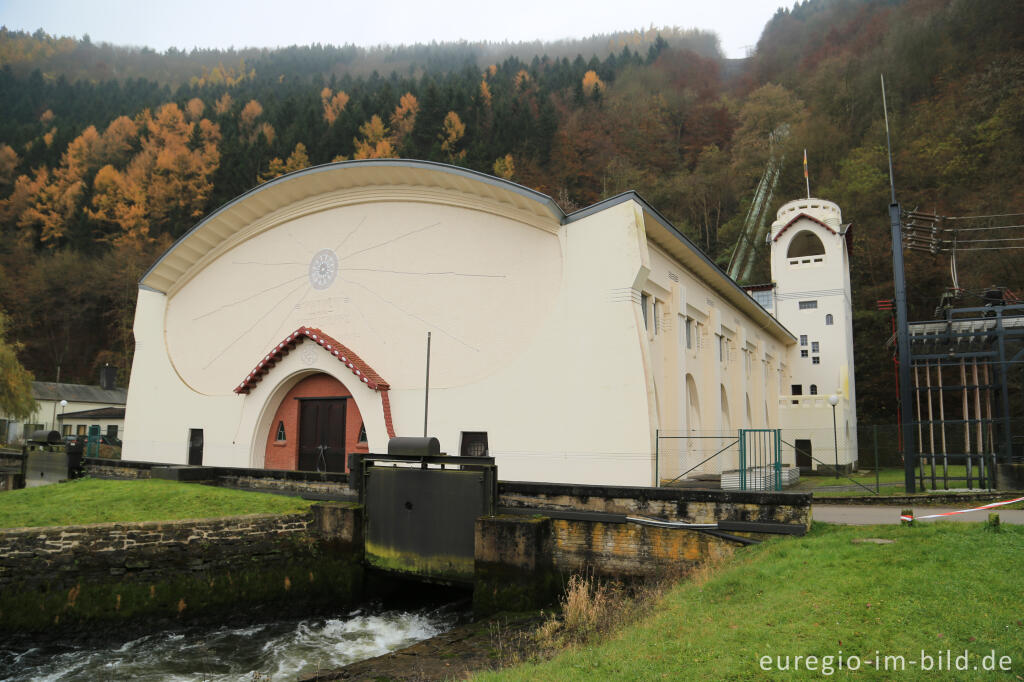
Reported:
(966, 371)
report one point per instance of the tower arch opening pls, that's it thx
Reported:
(805, 243)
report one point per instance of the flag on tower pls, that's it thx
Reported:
(807, 178)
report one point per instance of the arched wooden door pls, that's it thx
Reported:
(322, 434)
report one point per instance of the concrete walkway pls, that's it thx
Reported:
(863, 515)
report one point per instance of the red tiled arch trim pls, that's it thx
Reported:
(363, 371)
(797, 217)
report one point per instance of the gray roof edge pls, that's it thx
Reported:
(539, 197)
(633, 195)
(79, 393)
(96, 413)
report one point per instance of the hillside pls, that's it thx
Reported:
(107, 154)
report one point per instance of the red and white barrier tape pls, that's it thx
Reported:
(961, 511)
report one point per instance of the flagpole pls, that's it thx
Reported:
(807, 178)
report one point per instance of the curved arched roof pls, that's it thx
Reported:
(260, 203)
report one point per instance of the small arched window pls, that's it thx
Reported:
(805, 243)
(828, 320)
(280, 431)
(362, 433)
(814, 389)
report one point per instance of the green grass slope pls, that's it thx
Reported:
(936, 588)
(98, 501)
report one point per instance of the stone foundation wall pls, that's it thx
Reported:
(81, 576)
(311, 484)
(670, 504)
(629, 550)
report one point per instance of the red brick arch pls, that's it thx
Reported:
(284, 454)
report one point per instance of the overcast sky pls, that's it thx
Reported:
(263, 23)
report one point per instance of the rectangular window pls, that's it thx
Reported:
(65, 429)
(815, 360)
(808, 305)
(803, 353)
(814, 346)
(657, 314)
(689, 333)
(803, 339)
(643, 307)
(80, 429)
(111, 430)
(764, 298)
(797, 389)
(721, 348)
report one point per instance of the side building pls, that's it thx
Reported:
(71, 409)
(290, 327)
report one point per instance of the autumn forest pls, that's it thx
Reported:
(109, 154)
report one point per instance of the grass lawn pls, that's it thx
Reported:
(938, 587)
(887, 475)
(91, 500)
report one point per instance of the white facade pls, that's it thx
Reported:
(562, 338)
(811, 271)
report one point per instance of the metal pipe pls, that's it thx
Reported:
(978, 428)
(426, 389)
(931, 417)
(942, 430)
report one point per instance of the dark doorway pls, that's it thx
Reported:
(322, 434)
(803, 454)
(195, 447)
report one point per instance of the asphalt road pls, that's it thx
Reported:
(864, 515)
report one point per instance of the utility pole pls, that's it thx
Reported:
(902, 327)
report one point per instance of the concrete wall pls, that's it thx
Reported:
(670, 504)
(522, 560)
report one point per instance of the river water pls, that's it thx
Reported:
(278, 650)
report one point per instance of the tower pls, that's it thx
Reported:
(810, 261)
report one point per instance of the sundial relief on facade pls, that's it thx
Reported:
(336, 289)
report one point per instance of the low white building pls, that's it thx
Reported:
(290, 327)
(71, 409)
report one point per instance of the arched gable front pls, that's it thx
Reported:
(302, 354)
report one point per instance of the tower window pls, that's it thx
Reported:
(803, 339)
(814, 346)
(828, 319)
(689, 333)
(808, 305)
(805, 243)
